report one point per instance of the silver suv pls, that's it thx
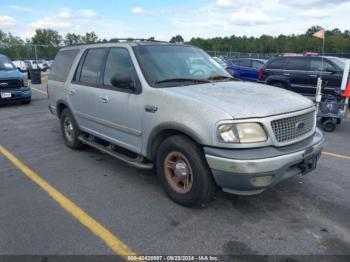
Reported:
(174, 108)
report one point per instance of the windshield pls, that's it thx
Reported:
(6, 64)
(174, 65)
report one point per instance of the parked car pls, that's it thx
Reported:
(31, 64)
(144, 104)
(14, 86)
(20, 65)
(245, 68)
(220, 61)
(300, 73)
(37, 64)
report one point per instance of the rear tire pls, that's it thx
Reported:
(70, 130)
(183, 172)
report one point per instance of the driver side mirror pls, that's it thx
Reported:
(123, 80)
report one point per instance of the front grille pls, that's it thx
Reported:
(292, 128)
(13, 83)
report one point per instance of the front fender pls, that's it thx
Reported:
(171, 128)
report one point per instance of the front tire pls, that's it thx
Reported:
(329, 125)
(183, 172)
(70, 130)
(26, 102)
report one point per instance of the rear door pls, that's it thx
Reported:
(244, 69)
(274, 71)
(120, 110)
(297, 70)
(83, 91)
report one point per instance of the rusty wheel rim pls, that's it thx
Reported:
(178, 172)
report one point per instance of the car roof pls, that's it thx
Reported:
(248, 58)
(124, 43)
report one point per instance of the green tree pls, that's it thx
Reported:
(47, 37)
(72, 39)
(89, 38)
(177, 39)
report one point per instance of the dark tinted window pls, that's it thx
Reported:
(297, 63)
(6, 63)
(91, 66)
(316, 65)
(62, 65)
(244, 63)
(257, 64)
(277, 63)
(118, 61)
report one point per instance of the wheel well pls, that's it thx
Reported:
(160, 137)
(60, 108)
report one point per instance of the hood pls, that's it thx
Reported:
(10, 74)
(244, 99)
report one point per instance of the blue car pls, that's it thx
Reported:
(245, 68)
(14, 85)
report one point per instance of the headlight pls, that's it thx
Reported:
(25, 82)
(241, 133)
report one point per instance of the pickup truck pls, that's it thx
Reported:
(145, 103)
(14, 86)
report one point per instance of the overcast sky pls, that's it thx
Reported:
(165, 18)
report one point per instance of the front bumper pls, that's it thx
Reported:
(251, 171)
(19, 94)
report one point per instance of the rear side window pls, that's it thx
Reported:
(244, 63)
(316, 65)
(90, 66)
(296, 63)
(276, 64)
(257, 64)
(62, 65)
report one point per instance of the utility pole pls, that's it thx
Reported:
(36, 54)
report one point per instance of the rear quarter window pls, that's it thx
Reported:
(257, 64)
(62, 65)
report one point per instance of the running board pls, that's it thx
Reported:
(135, 162)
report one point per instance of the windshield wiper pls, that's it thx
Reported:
(193, 80)
(219, 77)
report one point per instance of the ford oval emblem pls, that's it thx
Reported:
(4, 84)
(300, 125)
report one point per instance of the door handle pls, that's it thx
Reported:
(313, 75)
(72, 92)
(104, 99)
(286, 74)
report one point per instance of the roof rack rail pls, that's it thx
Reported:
(133, 40)
(118, 40)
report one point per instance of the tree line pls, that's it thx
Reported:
(336, 41)
(48, 42)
